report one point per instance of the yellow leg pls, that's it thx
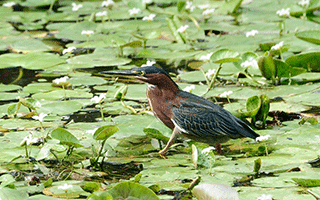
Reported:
(176, 133)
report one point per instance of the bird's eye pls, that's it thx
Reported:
(143, 73)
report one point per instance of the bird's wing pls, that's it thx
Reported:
(203, 120)
(207, 120)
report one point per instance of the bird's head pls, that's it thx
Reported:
(149, 74)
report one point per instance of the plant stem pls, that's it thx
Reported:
(26, 148)
(101, 111)
(100, 151)
(213, 79)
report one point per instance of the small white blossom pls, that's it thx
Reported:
(40, 117)
(101, 14)
(38, 104)
(87, 32)
(91, 131)
(277, 46)
(189, 88)
(208, 12)
(61, 80)
(190, 6)
(76, 7)
(107, 3)
(149, 63)
(98, 99)
(148, 18)
(251, 33)
(304, 3)
(263, 138)
(68, 50)
(206, 57)
(250, 63)
(210, 72)
(134, 11)
(64, 187)
(265, 197)
(226, 94)
(146, 1)
(182, 29)
(284, 12)
(207, 150)
(9, 4)
(204, 6)
(29, 140)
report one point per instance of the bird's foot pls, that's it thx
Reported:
(163, 153)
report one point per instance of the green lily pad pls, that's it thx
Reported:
(105, 132)
(61, 107)
(31, 60)
(224, 56)
(131, 190)
(73, 32)
(65, 137)
(310, 36)
(307, 61)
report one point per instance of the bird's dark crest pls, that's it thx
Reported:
(151, 70)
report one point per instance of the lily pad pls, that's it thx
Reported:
(131, 190)
(65, 137)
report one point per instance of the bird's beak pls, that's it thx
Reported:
(122, 72)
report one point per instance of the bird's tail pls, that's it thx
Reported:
(246, 130)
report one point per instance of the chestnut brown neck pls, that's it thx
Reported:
(163, 84)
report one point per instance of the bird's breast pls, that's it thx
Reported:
(160, 105)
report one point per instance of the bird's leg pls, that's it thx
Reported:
(176, 133)
(219, 149)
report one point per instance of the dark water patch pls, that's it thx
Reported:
(17, 75)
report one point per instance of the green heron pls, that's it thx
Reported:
(187, 114)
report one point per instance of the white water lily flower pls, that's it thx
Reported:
(146, 1)
(40, 117)
(251, 33)
(204, 6)
(208, 12)
(65, 187)
(134, 11)
(61, 80)
(98, 99)
(226, 94)
(304, 3)
(206, 57)
(149, 63)
(189, 88)
(250, 63)
(87, 32)
(207, 150)
(76, 7)
(265, 197)
(182, 29)
(277, 46)
(284, 12)
(9, 4)
(190, 6)
(263, 138)
(101, 14)
(29, 140)
(68, 50)
(107, 3)
(148, 18)
(210, 72)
